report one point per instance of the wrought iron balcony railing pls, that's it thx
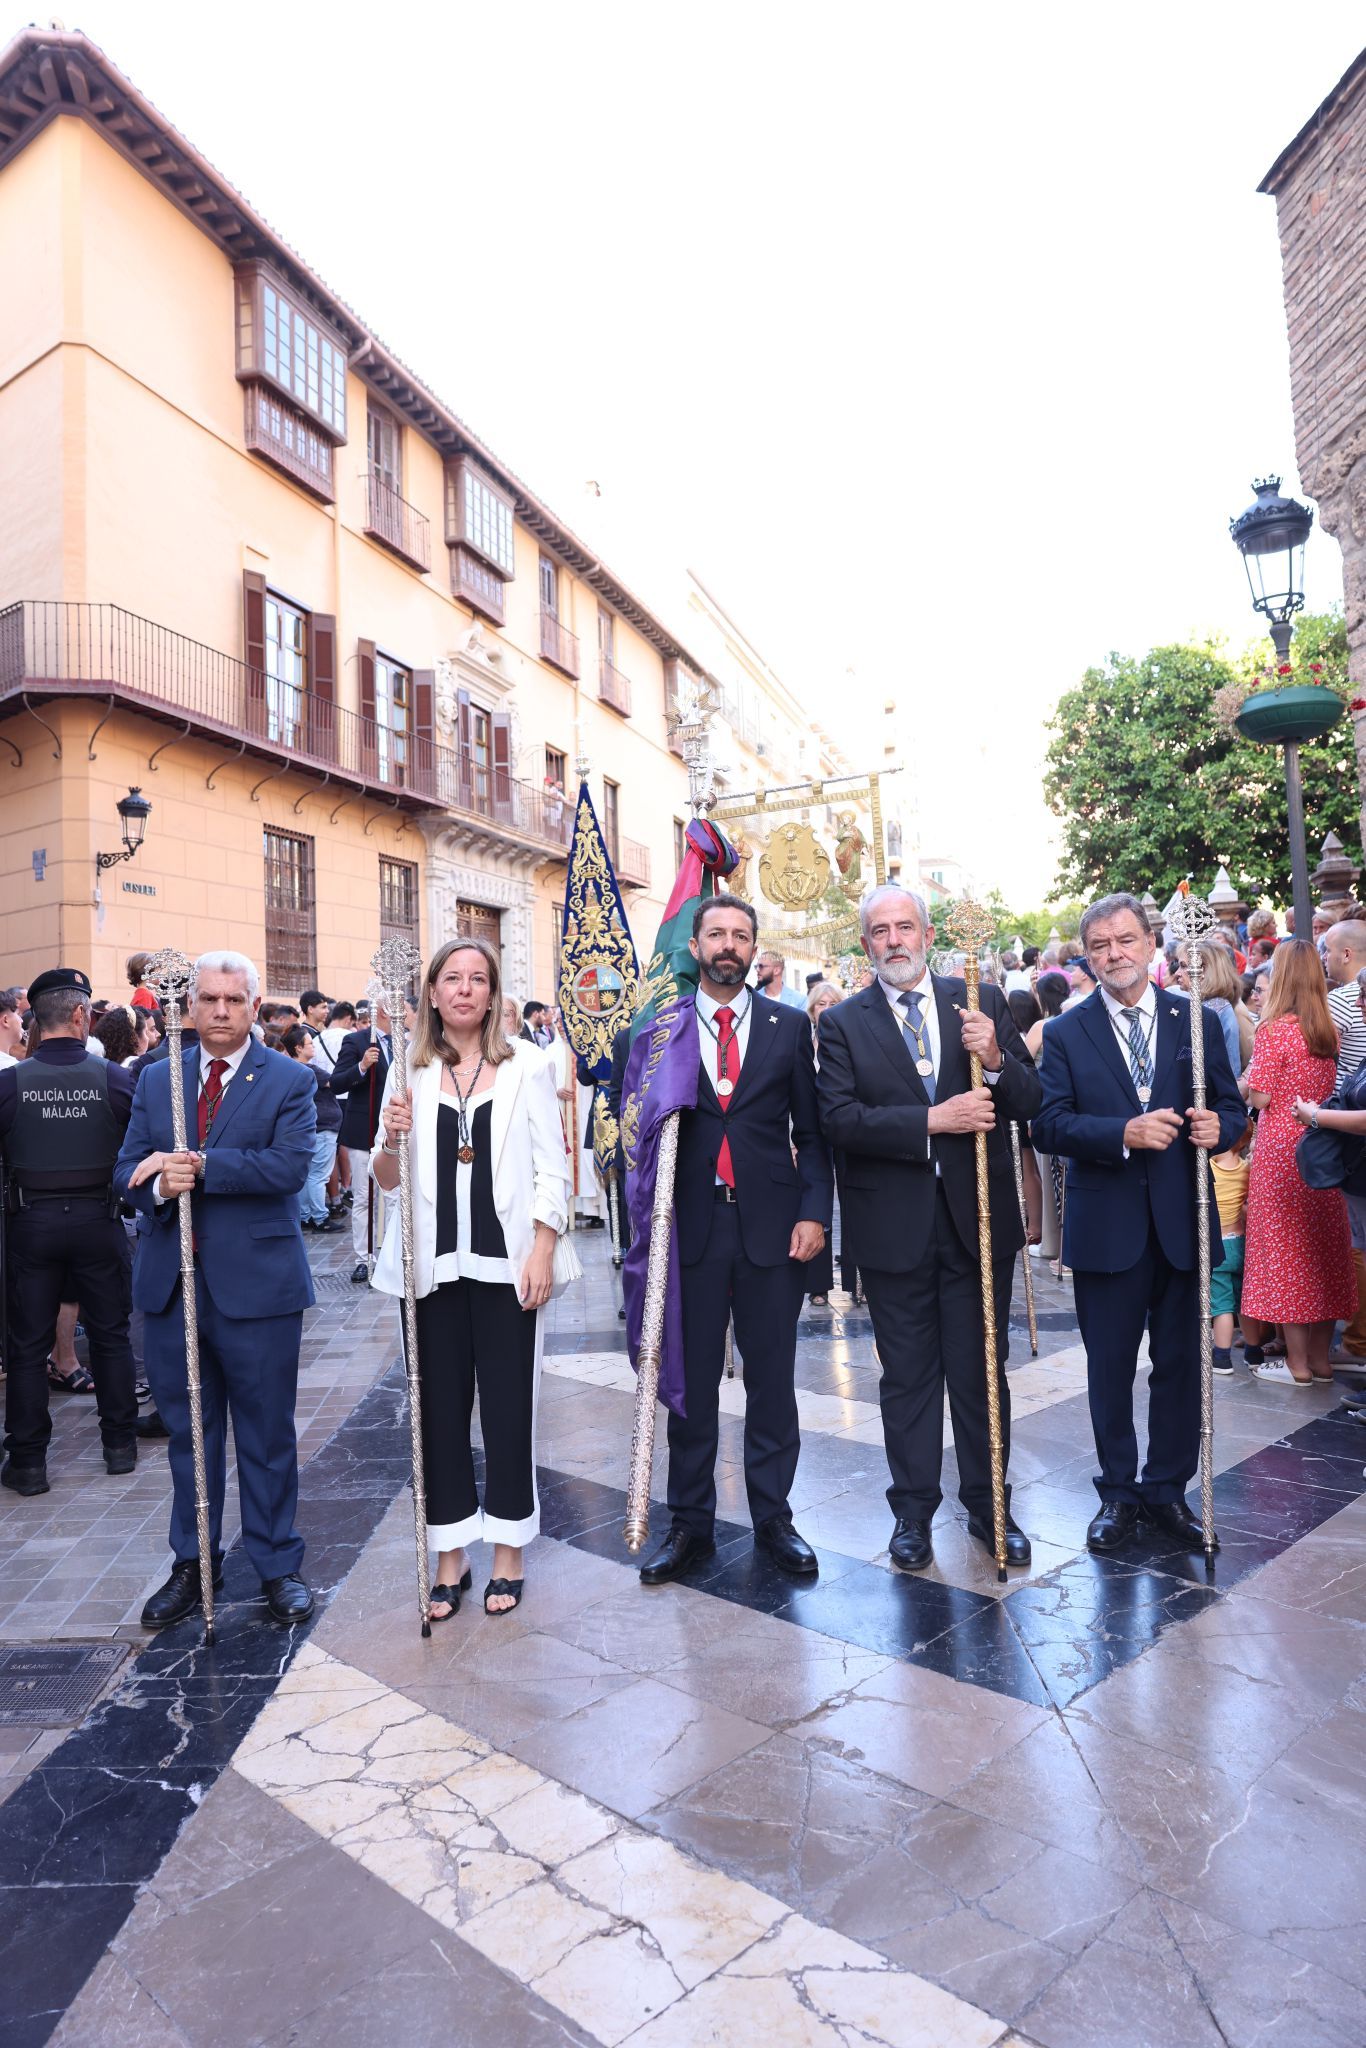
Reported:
(401, 527)
(559, 646)
(633, 863)
(613, 687)
(54, 649)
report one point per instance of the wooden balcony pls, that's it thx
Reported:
(476, 585)
(398, 525)
(613, 687)
(559, 646)
(633, 864)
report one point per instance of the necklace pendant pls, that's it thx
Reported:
(1144, 1093)
(925, 1066)
(725, 1086)
(465, 1155)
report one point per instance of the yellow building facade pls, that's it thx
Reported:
(252, 567)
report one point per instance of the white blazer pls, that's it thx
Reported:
(530, 1170)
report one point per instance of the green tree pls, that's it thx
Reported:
(1151, 787)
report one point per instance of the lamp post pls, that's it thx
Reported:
(134, 810)
(1270, 537)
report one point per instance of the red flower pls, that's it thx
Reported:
(1357, 704)
(1284, 669)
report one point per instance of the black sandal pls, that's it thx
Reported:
(449, 1596)
(497, 1587)
(77, 1381)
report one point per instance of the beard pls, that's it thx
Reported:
(901, 968)
(725, 972)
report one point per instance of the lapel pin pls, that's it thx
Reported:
(1173, 1012)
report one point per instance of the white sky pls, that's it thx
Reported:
(890, 320)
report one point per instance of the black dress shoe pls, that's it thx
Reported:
(120, 1458)
(680, 1549)
(1017, 1543)
(1174, 1518)
(910, 1548)
(24, 1478)
(1113, 1527)
(150, 1425)
(360, 1272)
(288, 1598)
(787, 1549)
(179, 1596)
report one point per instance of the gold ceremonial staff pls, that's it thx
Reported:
(167, 974)
(398, 966)
(1192, 922)
(971, 926)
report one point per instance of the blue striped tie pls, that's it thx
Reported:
(1140, 1063)
(917, 1039)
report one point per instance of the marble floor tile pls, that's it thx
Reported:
(698, 1919)
(921, 1728)
(774, 1673)
(639, 1746)
(113, 2011)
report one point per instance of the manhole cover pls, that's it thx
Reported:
(335, 1283)
(53, 1685)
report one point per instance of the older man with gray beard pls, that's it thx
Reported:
(898, 1105)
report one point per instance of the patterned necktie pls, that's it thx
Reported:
(1140, 1060)
(210, 1095)
(917, 1037)
(727, 1069)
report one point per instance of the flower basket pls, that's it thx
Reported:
(1303, 711)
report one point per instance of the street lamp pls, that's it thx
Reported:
(134, 810)
(1270, 537)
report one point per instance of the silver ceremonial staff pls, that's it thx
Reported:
(1192, 922)
(167, 974)
(1024, 1218)
(397, 967)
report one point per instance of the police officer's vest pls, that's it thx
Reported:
(65, 1136)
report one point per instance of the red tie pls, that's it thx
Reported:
(727, 1069)
(210, 1095)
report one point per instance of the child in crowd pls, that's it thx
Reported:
(1231, 1173)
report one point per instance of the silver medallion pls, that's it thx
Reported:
(924, 1066)
(725, 1086)
(1144, 1094)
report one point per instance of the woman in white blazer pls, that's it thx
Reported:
(490, 1198)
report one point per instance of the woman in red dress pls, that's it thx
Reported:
(1299, 1248)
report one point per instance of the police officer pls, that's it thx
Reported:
(63, 1113)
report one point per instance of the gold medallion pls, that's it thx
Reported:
(465, 1154)
(725, 1086)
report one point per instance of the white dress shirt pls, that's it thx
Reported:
(234, 1061)
(1146, 1005)
(929, 1029)
(742, 1002)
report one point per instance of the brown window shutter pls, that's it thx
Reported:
(322, 685)
(500, 729)
(369, 746)
(422, 752)
(463, 741)
(254, 648)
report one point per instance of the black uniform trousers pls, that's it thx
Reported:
(928, 1328)
(476, 1334)
(1112, 1312)
(765, 1301)
(67, 1248)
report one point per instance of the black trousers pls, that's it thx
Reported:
(475, 1334)
(1112, 1311)
(765, 1301)
(67, 1249)
(928, 1327)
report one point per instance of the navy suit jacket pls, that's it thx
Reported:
(1089, 1097)
(772, 1111)
(248, 1246)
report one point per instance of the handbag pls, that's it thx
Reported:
(566, 1266)
(1332, 1159)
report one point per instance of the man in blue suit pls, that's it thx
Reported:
(253, 1114)
(1118, 1105)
